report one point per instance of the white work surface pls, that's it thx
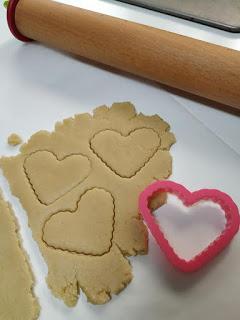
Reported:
(39, 86)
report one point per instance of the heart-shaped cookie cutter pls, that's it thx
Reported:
(189, 199)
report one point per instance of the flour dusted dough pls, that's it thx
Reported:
(80, 186)
(17, 301)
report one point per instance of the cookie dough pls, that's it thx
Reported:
(17, 300)
(80, 186)
(14, 140)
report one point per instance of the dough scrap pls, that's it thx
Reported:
(17, 300)
(125, 151)
(14, 139)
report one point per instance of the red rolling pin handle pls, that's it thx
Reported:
(11, 9)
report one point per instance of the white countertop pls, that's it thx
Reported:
(39, 86)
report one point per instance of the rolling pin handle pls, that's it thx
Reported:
(11, 9)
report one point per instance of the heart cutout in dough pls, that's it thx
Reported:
(88, 230)
(189, 199)
(125, 155)
(51, 178)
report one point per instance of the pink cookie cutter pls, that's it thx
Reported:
(228, 206)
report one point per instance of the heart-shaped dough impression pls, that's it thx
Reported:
(51, 178)
(125, 155)
(88, 230)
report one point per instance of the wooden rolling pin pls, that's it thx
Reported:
(194, 66)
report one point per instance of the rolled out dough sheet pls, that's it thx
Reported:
(17, 300)
(80, 187)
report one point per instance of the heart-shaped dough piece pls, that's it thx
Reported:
(125, 155)
(88, 230)
(50, 178)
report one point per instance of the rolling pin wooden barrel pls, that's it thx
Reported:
(194, 66)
